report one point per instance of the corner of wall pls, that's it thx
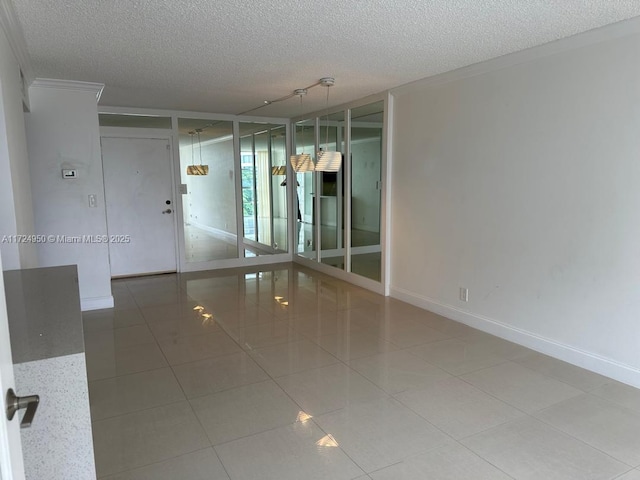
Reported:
(15, 191)
(63, 132)
(96, 303)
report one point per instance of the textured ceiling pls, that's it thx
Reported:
(228, 56)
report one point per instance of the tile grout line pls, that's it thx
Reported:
(291, 320)
(172, 403)
(152, 463)
(558, 429)
(273, 380)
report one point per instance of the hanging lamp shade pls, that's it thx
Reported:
(194, 169)
(328, 161)
(198, 170)
(302, 163)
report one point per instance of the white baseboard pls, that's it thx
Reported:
(96, 303)
(581, 358)
(229, 237)
(339, 252)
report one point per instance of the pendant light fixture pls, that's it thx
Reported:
(328, 161)
(301, 162)
(194, 169)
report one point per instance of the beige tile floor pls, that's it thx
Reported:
(289, 374)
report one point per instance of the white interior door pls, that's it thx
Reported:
(140, 206)
(11, 465)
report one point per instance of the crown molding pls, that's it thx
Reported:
(13, 30)
(590, 37)
(95, 88)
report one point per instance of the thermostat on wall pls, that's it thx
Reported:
(69, 173)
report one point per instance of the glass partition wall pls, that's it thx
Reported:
(340, 216)
(264, 187)
(234, 189)
(209, 198)
(331, 194)
(366, 187)
(240, 198)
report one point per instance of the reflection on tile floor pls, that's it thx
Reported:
(289, 374)
(204, 246)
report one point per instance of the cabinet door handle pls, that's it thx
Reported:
(15, 403)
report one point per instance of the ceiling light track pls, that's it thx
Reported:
(298, 92)
(325, 82)
(328, 161)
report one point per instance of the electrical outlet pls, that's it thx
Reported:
(464, 294)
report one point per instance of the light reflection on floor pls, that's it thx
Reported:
(284, 373)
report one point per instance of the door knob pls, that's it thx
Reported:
(15, 403)
(168, 210)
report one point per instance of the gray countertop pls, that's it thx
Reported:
(43, 306)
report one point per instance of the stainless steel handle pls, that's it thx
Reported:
(168, 210)
(15, 403)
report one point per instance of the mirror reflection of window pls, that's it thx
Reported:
(264, 191)
(247, 170)
(279, 187)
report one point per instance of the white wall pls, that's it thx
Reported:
(523, 185)
(211, 201)
(16, 211)
(63, 132)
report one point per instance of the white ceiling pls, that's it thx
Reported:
(228, 56)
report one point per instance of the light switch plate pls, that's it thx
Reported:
(464, 294)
